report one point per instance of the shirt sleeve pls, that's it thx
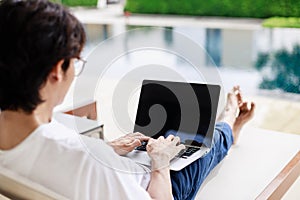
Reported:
(106, 175)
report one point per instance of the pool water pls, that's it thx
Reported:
(243, 56)
(264, 62)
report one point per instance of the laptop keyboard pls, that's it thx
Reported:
(188, 151)
(142, 147)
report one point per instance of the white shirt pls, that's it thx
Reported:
(77, 167)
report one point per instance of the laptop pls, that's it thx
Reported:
(186, 110)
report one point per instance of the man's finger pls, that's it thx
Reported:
(239, 98)
(244, 106)
(170, 137)
(176, 140)
(181, 147)
(252, 108)
(135, 143)
(160, 138)
(139, 134)
(143, 138)
(151, 140)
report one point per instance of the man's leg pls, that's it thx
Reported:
(186, 183)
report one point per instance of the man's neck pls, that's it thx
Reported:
(16, 126)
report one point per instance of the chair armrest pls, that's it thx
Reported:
(283, 181)
(14, 186)
(88, 110)
(2, 197)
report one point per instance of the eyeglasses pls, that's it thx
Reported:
(79, 66)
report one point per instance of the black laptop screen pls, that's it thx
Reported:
(187, 110)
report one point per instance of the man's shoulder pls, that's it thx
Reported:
(57, 138)
(58, 134)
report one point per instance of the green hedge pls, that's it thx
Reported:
(228, 8)
(80, 2)
(286, 22)
(86, 3)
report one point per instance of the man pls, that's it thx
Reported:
(40, 41)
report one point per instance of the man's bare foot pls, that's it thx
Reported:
(236, 113)
(246, 113)
(231, 108)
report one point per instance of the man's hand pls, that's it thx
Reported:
(127, 143)
(162, 150)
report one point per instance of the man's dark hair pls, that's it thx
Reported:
(34, 36)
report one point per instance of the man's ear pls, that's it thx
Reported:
(57, 72)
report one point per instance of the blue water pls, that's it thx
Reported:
(242, 57)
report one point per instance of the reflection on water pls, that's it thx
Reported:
(280, 69)
(213, 45)
(239, 51)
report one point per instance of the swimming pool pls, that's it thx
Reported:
(244, 56)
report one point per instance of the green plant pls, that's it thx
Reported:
(230, 8)
(283, 70)
(87, 3)
(287, 22)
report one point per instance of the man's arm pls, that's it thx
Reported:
(160, 184)
(161, 152)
